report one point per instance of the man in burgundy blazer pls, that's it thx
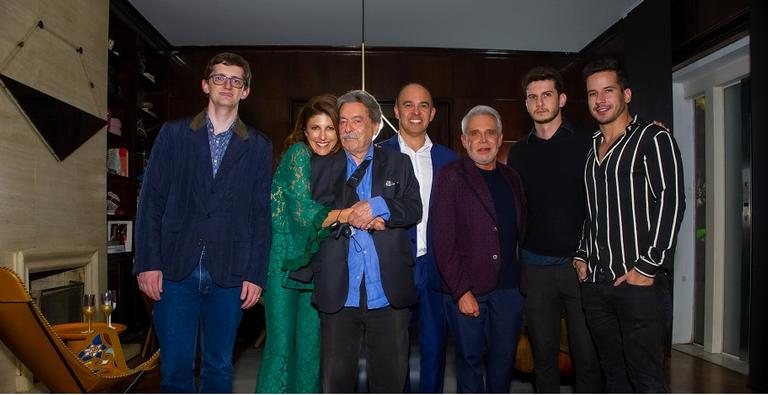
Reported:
(478, 217)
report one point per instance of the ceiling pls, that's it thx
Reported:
(522, 25)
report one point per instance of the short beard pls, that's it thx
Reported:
(548, 119)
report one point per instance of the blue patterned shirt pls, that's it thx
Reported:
(218, 143)
(362, 258)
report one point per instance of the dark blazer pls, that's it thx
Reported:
(392, 179)
(467, 243)
(182, 207)
(426, 275)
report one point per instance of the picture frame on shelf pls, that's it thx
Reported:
(119, 237)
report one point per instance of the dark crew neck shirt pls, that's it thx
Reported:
(553, 177)
(506, 221)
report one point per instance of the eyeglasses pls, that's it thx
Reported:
(221, 79)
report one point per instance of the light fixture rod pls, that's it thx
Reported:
(362, 44)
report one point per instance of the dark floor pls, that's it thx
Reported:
(685, 374)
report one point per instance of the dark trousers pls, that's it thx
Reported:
(627, 327)
(433, 328)
(550, 290)
(486, 346)
(383, 336)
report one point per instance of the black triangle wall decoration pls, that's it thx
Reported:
(63, 126)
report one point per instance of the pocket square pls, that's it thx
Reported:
(390, 183)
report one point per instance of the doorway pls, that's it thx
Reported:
(713, 127)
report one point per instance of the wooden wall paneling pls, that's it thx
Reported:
(502, 76)
(514, 117)
(467, 77)
(314, 73)
(461, 106)
(457, 79)
(269, 115)
(389, 70)
(270, 73)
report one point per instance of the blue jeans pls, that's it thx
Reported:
(186, 308)
(486, 346)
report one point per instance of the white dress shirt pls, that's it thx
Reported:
(422, 166)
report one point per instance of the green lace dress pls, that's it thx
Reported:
(291, 360)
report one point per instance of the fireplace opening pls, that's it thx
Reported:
(62, 304)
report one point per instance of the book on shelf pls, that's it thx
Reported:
(115, 247)
(113, 203)
(115, 126)
(117, 161)
(149, 76)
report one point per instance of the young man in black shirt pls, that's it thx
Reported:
(550, 160)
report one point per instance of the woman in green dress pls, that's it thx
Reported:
(291, 359)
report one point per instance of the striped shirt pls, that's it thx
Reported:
(635, 203)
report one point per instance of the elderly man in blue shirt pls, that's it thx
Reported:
(363, 273)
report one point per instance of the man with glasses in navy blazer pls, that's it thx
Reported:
(203, 230)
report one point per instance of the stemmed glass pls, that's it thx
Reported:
(108, 305)
(89, 308)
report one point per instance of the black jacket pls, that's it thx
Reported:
(393, 179)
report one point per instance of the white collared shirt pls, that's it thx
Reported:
(422, 166)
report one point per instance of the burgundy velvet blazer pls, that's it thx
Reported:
(463, 219)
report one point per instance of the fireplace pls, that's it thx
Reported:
(43, 269)
(61, 304)
(65, 263)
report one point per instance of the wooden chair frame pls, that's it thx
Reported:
(25, 332)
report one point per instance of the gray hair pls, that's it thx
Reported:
(481, 110)
(364, 98)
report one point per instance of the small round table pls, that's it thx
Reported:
(74, 333)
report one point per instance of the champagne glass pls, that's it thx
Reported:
(89, 308)
(106, 307)
(113, 298)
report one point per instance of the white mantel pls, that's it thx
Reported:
(24, 262)
(37, 260)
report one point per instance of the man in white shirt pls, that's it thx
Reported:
(415, 109)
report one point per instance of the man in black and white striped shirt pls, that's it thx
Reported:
(635, 203)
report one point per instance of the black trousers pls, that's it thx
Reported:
(382, 334)
(628, 327)
(552, 289)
